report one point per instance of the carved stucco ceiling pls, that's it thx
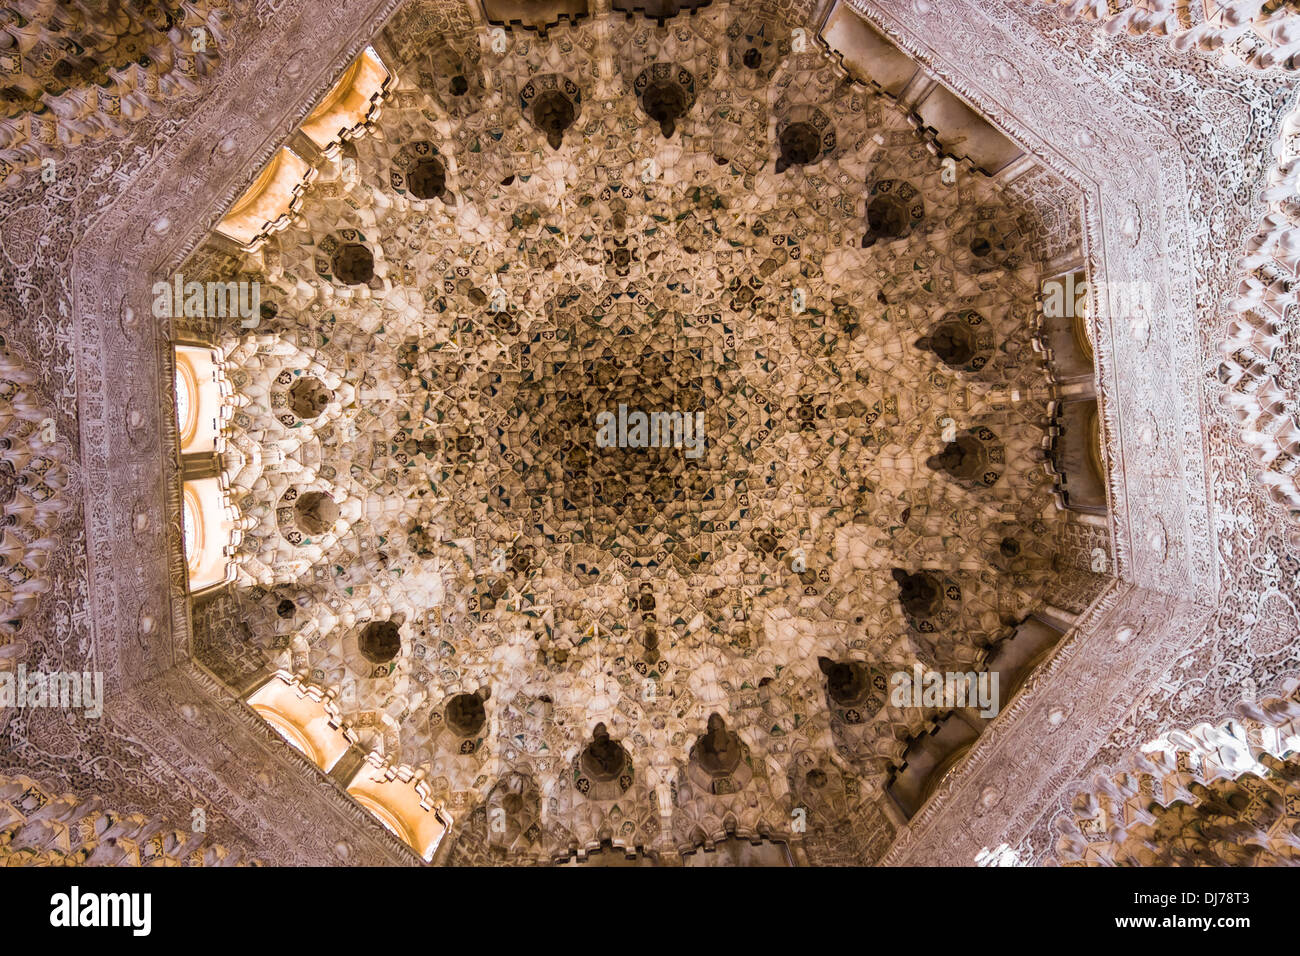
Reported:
(851, 324)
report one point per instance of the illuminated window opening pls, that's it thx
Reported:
(199, 382)
(1095, 459)
(187, 401)
(389, 820)
(271, 203)
(193, 530)
(208, 520)
(304, 717)
(401, 804)
(296, 738)
(351, 105)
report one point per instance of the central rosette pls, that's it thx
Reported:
(596, 422)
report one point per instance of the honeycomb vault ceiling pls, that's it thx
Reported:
(513, 644)
(847, 329)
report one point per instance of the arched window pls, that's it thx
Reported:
(1065, 326)
(1076, 456)
(303, 716)
(192, 517)
(386, 817)
(401, 804)
(208, 521)
(187, 401)
(351, 105)
(198, 399)
(295, 737)
(270, 204)
(307, 718)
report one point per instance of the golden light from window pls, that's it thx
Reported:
(270, 203)
(296, 738)
(401, 806)
(198, 399)
(1080, 326)
(192, 517)
(297, 713)
(208, 528)
(386, 817)
(187, 399)
(354, 100)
